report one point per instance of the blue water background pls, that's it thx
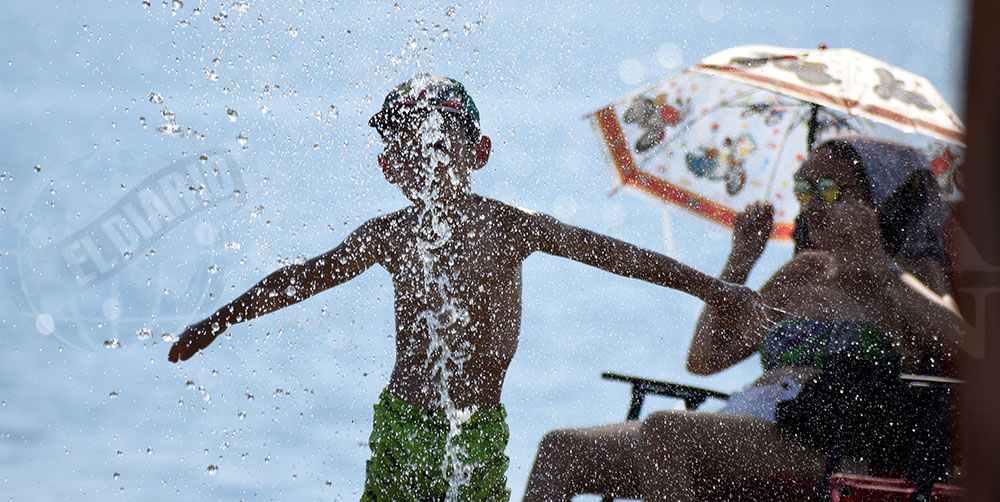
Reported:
(84, 86)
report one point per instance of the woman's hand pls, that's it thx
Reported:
(752, 229)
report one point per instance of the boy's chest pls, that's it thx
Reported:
(469, 255)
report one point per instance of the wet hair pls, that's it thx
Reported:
(898, 214)
(388, 123)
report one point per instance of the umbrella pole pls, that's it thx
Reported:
(813, 128)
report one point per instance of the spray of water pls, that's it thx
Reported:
(445, 356)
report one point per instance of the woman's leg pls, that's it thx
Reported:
(601, 460)
(687, 452)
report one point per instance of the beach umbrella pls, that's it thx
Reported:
(734, 128)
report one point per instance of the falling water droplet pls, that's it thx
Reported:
(242, 139)
(233, 114)
(155, 98)
(143, 334)
(171, 129)
(38, 169)
(113, 394)
(293, 31)
(113, 343)
(116, 475)
(212, 469)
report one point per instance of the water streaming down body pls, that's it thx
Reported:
(445, 357)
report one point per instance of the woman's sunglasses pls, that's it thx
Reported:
(827, 189)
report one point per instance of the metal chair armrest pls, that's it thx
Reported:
(693, 397)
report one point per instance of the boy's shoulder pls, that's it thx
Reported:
(387, 227)
(393, 219)
(509, 213)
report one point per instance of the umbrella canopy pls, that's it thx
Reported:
(733, 128)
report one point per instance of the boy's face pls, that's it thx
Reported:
(429, 154)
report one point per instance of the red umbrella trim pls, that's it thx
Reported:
(614, 139)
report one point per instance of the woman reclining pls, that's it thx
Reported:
(842, 294)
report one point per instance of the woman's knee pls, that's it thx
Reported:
(559, 443)
(558, 439)
(672, 424)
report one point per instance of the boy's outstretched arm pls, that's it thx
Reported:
(287, 286)
(628, 260)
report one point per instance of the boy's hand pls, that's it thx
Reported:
(742, 306)
(194, 338)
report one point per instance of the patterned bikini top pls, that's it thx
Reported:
(803, 342)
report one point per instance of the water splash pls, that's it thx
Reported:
(144, 334)
(445, 357)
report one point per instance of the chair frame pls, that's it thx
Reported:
(929, 457)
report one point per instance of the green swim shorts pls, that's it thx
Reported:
(408, 451)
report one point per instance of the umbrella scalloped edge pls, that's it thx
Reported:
(607, 124)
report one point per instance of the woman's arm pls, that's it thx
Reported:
(721, 341)
(930, 323)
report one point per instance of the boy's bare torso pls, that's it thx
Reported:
(477, 271)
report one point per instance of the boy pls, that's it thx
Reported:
(455, 260)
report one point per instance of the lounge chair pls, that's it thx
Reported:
(924, 476)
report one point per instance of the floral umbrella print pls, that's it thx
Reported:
(733, 128)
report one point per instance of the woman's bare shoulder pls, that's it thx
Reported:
(807, 263)
(804, 270)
